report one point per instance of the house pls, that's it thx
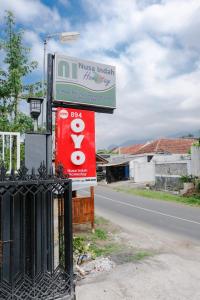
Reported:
(116, 168)
(167, 146)
(148, 162)
(163, 162)
(100, 162)
(160, 146)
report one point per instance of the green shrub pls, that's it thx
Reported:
(79, 245)
(197, 185)
(188, 178)
(196, 144)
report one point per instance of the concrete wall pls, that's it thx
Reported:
(171, 168)
(171, 183)
(195, 156)
(171, 157)
(143, 171)
(167, 174)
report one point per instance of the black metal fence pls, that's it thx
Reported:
(29, 268)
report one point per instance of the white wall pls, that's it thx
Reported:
(142, 171)
(195, 165)
(132, 163)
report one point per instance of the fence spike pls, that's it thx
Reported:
(60, 171)
(51, 173)
(42, 171)
(12, 175)
(33, 175)
(22, 172)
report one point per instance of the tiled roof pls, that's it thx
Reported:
(128, 150)
(173, 146)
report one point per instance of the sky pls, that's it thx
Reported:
(154, 45)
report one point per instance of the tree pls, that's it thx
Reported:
(5, 101)
(189, 135)
(17, 67)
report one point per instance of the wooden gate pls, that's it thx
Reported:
(83, 208)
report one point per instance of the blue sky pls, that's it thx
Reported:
(153, 44)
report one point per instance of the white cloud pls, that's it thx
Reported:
(34, 13)
(169, 16)
(158, 71)
(155, 48)
(65, 3)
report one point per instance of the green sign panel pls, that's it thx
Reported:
(84, 83)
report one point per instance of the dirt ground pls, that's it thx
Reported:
(171, 273)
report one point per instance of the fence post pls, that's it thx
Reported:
(68, 233)
(92, 206)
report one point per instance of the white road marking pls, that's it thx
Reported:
(149, 210)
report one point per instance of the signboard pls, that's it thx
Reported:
(87, 84)
(75, 145)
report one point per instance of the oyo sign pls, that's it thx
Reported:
(75, 144)
(77, 126)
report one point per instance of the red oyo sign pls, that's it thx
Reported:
(75, 144)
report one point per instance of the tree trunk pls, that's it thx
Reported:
(15, 108)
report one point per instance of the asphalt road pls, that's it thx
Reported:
(172, 217)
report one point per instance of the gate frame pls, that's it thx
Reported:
(34, 285)
(10, 134)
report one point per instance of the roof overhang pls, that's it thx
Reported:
(115, 164)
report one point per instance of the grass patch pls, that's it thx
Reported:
(130, 256)
(195, 200)
(100, 234)
(98, 243)
(100, 221)
(141, 255)
(103, 242)
(106, 250)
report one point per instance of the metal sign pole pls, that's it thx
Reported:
(49, 111)
(49, 93)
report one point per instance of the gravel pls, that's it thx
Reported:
(102, 264)
(171, 274)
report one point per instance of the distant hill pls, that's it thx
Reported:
(128, 143)
(132, 142)
(112, 146)
(195, 134)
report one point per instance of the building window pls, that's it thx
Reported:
(149, 158)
